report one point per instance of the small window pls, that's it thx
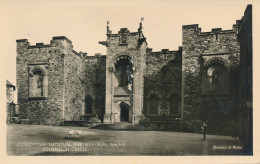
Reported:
(123, 39)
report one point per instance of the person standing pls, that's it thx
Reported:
(204, 130)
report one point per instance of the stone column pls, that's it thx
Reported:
(109, 114)
(137, 97)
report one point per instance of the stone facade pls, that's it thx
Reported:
(12, 109)
(203, 55)
(125, 47)
(162, 86)
(246, 80)
(182, 88)
(60, 70)
(95, 85)
(10, 88)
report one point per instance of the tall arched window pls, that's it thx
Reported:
(124, 71)
(38, 82)
(215, 78)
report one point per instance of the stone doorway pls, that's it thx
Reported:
(124, 112)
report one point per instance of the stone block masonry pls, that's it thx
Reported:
(163, 79)
(95, 85)
(202, 52)
(61, 69)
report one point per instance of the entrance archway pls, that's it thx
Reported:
(124, 112)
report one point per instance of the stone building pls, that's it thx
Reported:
(10, 88)
(246, 80)
(132, 83)
(11, 108)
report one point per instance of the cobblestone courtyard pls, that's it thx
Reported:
(64, 140)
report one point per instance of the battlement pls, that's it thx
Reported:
(164, 51)
(123, 31)
(21, 40)
(56, 39)
(195, 28)
(61, 38)
(57, 42)
(97, 55)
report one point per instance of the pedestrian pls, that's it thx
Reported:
(204, 130)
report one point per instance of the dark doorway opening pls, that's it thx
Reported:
(124, 116)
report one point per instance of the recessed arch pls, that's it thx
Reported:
(121, 56)
(124, 72)
(215, 77)
(216, 60)
(153, 103)
(38, 81)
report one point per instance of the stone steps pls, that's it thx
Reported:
(119, 126)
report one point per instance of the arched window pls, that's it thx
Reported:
(154, 104)
(88, 104)
(215, 78)
(124, 71)
(38, 82)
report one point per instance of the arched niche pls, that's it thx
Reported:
(215, 77)
(38, 82)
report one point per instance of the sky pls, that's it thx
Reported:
(84, 22)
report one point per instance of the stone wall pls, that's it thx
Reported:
(49, 108)
(199, 49)
(246, 81)
(163, 78)
(74, 75)
(95, 83)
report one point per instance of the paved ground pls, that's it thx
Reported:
(57, 140)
